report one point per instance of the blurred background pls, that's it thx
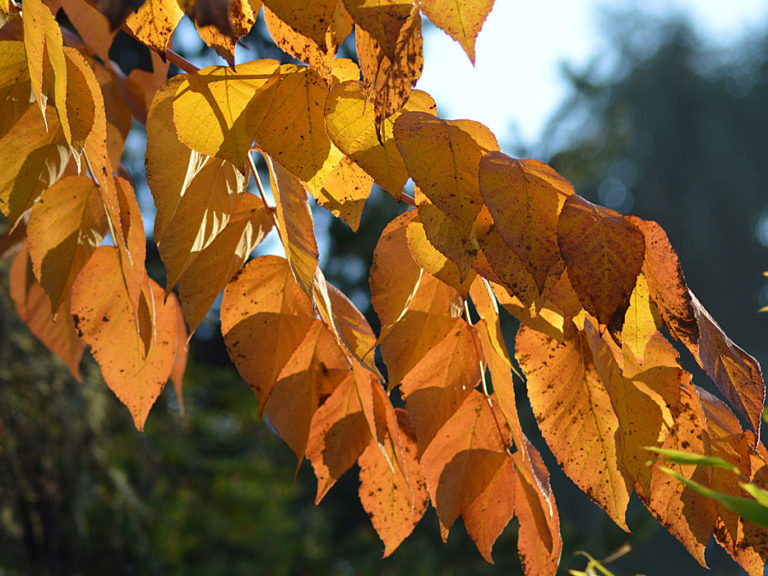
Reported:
(659, 113)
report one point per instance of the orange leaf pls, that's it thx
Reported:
(351, 125)
(92, 26)
(180, 354)
(308, 377)
(640, 320)
(383, 20)
(65, 228)
(15, 85)
(34, 308)
(461, 19)
(394, 497)
(220, 261)
(135, 347)
(440, 381)
(603, 252)
(736, 374)
(240, 19)
(338, 435)
(264, 318)
(525, 198)
(574, 412)
(538, 539)
(463, 459)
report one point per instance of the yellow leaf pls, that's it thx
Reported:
(345, 191)
(297, 229)
(310, 19)
(575, 415)
(220, 261)
(525, 198)
(391, 81)
(154, 22)
(42, 37)
(640, 320)
(212, 108)
(15, 88)
(461, 19)
(264, 318)
(442, 157)
(603, 252)
(241, 18)
(134, 346)
(64, 229)
(33, 306)
(33, 158)
(92, 26)
(195, 195)
(351, 125)
(290, 125)
(383, 20)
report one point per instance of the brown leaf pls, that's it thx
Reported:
(221, 25)
(603, 252)
(117, 11)
(391, 80)
(56, 332)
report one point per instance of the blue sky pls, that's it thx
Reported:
(516, 84)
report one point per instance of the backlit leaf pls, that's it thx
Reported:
(15, 88)
(311, 19)
(240, 18)
(442, 157)
(211, 108)
(153, 24)
(464, 458)
(33, 158)
(383, 20)
(308, 377)
(395, 499)
(461, 19)
(264, 318)
(351, 124)
(34, 308)
(391, 80)
(603, 252)
(525, 198)
(640, 320)
(65, 228)
(345, 191)
(220, 261)
(135, 347)
(93, 27)
(574, 412)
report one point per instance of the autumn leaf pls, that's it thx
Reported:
(464, 459)
(307, 379)
(65, 228)
(345, 191)
(264, 318)
(93, 26)
(461, 19)
(251, 221)
(525, 198)
(211, 108)
(442, 157)
(575, 415)
(391, 79)
(135, 347)
(154, 22)
(310, 19)
(15, 85)
(56, 332)
(640, 320)
(603, 253)
(394, 498)
(351, 124)
(221, 25)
